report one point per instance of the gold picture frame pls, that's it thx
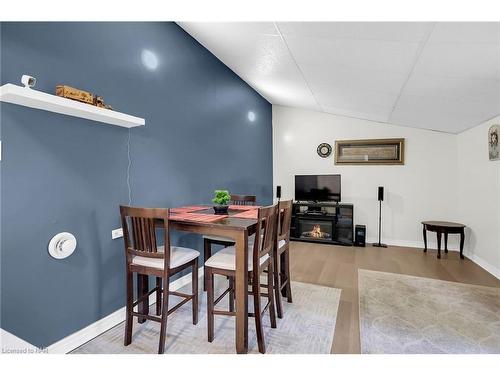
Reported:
(389, 151)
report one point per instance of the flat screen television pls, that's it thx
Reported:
(317, 188)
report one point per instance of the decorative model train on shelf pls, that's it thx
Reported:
(81, 96)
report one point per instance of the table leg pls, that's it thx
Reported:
(446, 242)
(142, 289)
(438, 234)
(462, 239)
(425, 239)
(242, 292)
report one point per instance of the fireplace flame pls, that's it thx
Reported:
(316, 231)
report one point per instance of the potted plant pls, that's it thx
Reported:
(221, 199)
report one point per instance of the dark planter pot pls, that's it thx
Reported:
(220, 210)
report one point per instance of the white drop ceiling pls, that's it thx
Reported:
(439, 76)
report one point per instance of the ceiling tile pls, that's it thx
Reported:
(369, 55)
(472, 89)
(341, 78)
(466, 60)
(466, 32)
(390, 31)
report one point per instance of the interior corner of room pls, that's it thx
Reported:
(365, 143)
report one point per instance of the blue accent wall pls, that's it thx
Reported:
(60, 173)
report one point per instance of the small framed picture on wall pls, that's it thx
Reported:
(493, 146)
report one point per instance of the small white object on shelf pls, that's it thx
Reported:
(28, 81)
(27, 97)
(62, 245)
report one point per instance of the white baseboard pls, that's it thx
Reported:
(484, 264)
(11, 344)
(431, 244)
(80, 337)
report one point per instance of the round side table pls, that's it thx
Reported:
(444, 227)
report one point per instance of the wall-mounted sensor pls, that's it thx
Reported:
(28, 81)
(62, 245)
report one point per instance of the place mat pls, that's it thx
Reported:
(189, 216)
(187, 209)
(250, 214)
(242, 207)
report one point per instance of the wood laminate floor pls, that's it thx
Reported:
(336, 266)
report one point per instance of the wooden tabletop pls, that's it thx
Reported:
(225, 221)
(444, 224)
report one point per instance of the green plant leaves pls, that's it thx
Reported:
(221, 197)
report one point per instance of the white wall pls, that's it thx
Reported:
(479, 197)
(423, 189)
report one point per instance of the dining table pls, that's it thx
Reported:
(239, 223)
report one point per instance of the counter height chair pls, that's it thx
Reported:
(146, 257)
(260, 258)
(208, 241)
(282, 257)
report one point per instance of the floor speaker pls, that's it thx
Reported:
(380, 199)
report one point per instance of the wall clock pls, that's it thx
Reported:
(324, 150)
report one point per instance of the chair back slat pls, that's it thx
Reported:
(243, 200)
(285, 219)
(139, 232)
(265, 234)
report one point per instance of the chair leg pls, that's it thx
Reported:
(231, 294)
(286, 271)
(277, 284)
(207, 253)
(142, 288)
(158, 295)
(270, 293)
(258, 313)
(194, 281)
(164, 316)
(210, 303)
(130, 300)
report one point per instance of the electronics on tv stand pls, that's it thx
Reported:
(327, 203)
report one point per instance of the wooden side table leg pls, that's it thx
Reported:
(446, 242)
(438, 234)
(425, 239)
(462, 240)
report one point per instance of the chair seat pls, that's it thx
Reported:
(218, 238)
(178, 257)
(226, 259)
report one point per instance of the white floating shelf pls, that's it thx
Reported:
(36, 99)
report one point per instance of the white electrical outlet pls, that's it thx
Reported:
(116, 233)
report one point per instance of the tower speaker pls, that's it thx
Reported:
(278, 192)
(380, 199)
(380, 193)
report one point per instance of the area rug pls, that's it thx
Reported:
(407, 314)
(307, 327)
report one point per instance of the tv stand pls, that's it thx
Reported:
(323, 222)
